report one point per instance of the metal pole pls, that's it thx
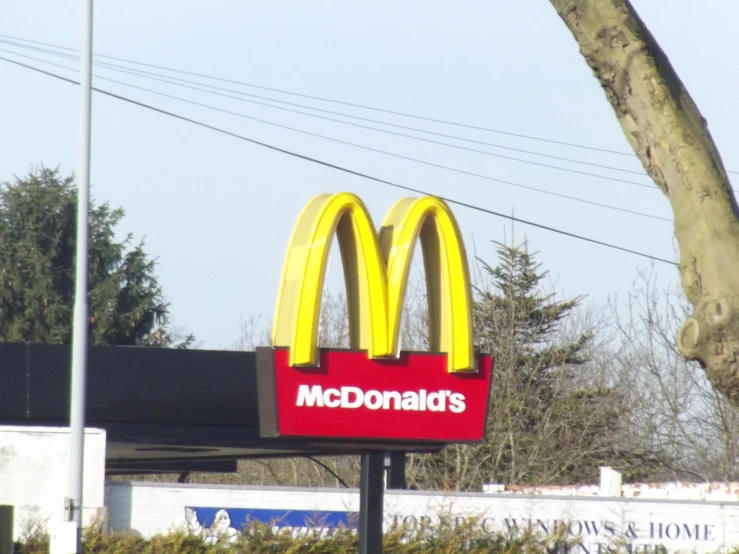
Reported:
(395, 463)
(371, 492)
(79, 329)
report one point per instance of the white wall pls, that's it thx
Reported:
(150, 508)
(714, 491)
(34, 473)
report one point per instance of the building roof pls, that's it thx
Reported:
(164, 410)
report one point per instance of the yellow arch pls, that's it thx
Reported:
(299, 299)
(376, 273)
(447, 275)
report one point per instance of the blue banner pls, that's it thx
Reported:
(211, 523)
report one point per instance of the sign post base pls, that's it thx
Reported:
(371, 493)
(6, 529)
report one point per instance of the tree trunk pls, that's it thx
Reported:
(671, 139)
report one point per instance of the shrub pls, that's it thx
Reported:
(259, 538)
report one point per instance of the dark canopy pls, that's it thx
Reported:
(164, 410)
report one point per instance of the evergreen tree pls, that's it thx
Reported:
(551, 421)
(37, 267)
(534, 377)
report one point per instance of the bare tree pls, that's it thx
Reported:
(555, 413)
(675, 410)
(326, 471)
(334, 321)
(671, 139)
(253, 332)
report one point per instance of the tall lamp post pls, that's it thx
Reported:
(79, 329)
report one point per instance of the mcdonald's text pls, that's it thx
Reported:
(413, 397)
(354, 397)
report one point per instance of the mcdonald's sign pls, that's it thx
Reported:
(374, 390)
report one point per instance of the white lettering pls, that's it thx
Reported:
(436, 401)
(345, 397)
(389, 395)
(354, 397)
(456, 403)
(410, 401)
(310, 396)
(373, 400)
(332, 402)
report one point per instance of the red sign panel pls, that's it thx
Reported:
(412, 398)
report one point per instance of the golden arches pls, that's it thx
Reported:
(376, 273)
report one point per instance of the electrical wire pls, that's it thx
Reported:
(362, 106)
(334, 101)
(178, 82)
(363, 147)
(345, 169)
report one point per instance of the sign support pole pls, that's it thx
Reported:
(396, 470)
(79, 326)
(371, 493)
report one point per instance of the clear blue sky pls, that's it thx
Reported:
(218, 211)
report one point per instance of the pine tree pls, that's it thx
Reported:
(37, 266)
(536, 407)
(550, 421)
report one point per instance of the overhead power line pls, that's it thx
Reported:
(351, 104)
(345, 169)
(331, 100)
(179, 82)
(363, 147)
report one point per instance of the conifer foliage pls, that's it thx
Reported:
(552, 420)
(37, 269)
